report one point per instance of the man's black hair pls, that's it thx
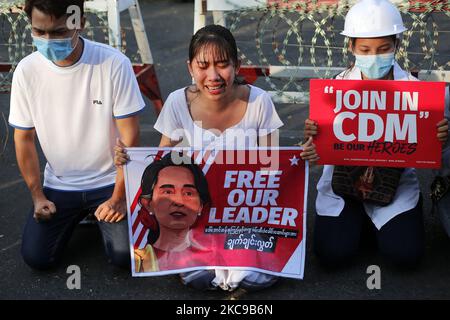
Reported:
(54, 8)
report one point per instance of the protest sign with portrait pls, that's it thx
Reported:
(234, 209)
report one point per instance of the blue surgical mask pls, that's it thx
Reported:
(375, 66)
(54, 49)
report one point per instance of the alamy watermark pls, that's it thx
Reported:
(74, 280)
(73, 22)
(374, 280)
(209, 143)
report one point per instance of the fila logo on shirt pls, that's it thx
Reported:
(97, 102)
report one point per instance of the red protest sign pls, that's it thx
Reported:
(377, 122)
(255, 219)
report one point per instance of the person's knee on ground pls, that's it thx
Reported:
(402, 240)
(333, 255)
(337, 238)
(199, 280)
(116, 243)
(444, 213)
(404, 257)
(118, 255)
(258, 281)
(38, 250)
(332, 249)
(404, 253)
(202, 280)
(36, 260)
(119, 259)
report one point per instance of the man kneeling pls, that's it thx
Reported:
(77, 96)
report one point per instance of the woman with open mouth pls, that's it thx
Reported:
(217, 112)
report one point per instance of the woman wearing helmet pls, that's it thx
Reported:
(374, 28)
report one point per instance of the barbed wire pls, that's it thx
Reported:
(16, 41)
(284, 33)
(306, 33)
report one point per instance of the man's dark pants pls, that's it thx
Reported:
(43, 242)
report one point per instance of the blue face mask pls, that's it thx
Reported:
(54, 49)
(375, 66)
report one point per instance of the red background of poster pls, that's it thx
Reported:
(428, 152)
(212, 246)
(291, 195)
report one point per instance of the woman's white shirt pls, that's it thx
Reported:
(260, 119)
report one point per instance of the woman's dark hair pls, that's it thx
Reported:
(220, 41)
(393, 38)
(54, 8)
(216, 38)
(150, 178)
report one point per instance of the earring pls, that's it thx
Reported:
(199, 214)
(150, 213)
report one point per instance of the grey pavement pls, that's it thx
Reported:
(169, 27)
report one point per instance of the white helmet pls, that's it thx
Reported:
(373, 18)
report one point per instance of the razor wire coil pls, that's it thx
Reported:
(280, 33)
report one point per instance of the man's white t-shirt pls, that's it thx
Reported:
(72, 110)
(260, 119)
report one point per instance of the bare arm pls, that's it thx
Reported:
(114, 210)
(166, 142)
(120, 154)
(129, 135)
(309, 148)
(28, 162)
(442, 131)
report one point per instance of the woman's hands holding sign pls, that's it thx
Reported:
(442, 129)
(120, 154)
(311, 129)
(309, 148)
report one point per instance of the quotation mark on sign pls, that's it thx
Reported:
(424, 114)
(328, 89)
